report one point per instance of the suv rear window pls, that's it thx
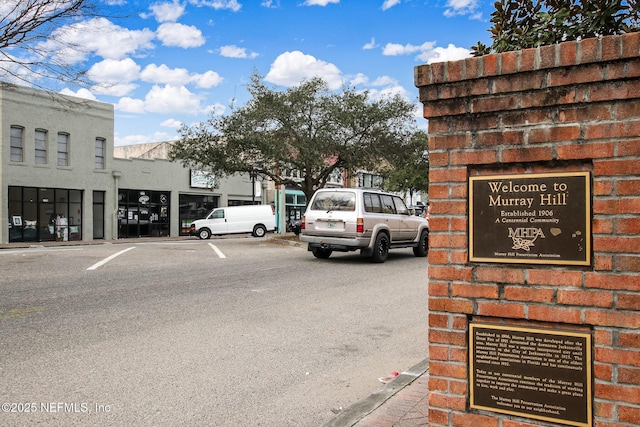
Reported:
(334, 201)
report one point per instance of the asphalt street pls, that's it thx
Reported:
(239, 331)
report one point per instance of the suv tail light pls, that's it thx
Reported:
(360, 225)
(302, 223)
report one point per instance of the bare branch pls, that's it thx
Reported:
(31, 40)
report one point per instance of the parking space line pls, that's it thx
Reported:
(217, 251)
(106, 260)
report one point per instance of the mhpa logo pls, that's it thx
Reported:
(523, 238)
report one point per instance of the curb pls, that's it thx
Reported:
(366, 406)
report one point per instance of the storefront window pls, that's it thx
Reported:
(194, 207)
(44, 214)
(143, 213)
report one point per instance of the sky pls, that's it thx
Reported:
(165, 63)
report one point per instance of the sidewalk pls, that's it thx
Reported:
(400, 403)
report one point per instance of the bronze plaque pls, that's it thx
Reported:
(530, 218)
(543, 374)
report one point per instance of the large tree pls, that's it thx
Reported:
(531, 23)
(307, 128)
(30, 44)
(408, 169)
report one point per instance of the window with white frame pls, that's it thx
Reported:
(100, 150)
(17, 144)
(41, 147)
(63, 149)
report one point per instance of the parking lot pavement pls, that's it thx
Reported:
(401, 402)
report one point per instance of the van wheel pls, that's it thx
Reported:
(321, 253)
(423, 245)
(204, 233)
(380, 248)
(259, 231)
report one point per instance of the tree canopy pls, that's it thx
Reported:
(307, 128)
(531, 23)
(32, 47)
(409, 168)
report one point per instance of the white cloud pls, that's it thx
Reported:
(180, 35)
(172, 123)
(388, 4)
(81, 93)
(167, 12)
(291, 68)
(441, 54)
(394, 49)
(162, 74)
(166, 99)
(216, 109)
(98, 36)
(114, 71)
(114, 89)
(371, 45)
(386, 86)
(462, 7)
(387, 92)
(178, 76)
(232, 5)
(207, 80)
(114, 77)
(427, 52)
(130, 105)
(171, 99)
(384, 81)
(233, 51)
(359, 79)
(320, 2)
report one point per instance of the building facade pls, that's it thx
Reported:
(60, 179)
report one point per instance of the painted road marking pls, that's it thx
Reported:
(217, 251)
(28, 251)
(19, 312)
(106, 260)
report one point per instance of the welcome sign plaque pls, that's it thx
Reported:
(530, 218)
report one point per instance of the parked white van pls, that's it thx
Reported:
(255, 219)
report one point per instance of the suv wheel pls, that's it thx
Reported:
(321, 253)
(423, 245)
(380, 248)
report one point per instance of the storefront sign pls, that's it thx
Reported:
(201, 179)
(530, 218)
(543, 374)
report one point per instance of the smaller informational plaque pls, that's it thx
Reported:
(543, 374)
(531, 218)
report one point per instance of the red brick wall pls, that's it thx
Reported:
(568, 107)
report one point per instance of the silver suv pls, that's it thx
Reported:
(348, 219)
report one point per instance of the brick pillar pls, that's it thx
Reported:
(570, 107)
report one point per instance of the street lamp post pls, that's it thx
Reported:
(253, 176)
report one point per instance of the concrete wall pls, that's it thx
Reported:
(571, 107)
